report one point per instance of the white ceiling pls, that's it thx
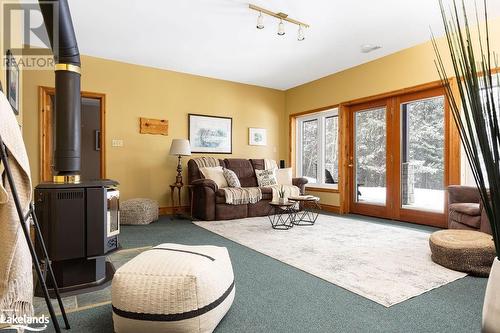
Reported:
(218, 38)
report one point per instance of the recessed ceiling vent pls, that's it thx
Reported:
(367, 48)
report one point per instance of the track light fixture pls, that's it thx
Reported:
(260, 21)
(281, 25)
(300, 34)
(281, 28)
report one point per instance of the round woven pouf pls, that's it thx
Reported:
(463, 250)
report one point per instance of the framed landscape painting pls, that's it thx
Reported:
(210, 134)
(12, 82)
(257, 136)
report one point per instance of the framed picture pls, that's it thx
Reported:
(257, 136)
(12, 82)
(210, 134)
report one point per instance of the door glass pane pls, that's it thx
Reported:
(310, 142)
(370, 156)
(331, 150)
(422, 154)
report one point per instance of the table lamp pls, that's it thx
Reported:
(180, 147)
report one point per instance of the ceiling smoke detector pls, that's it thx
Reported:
(367, 48)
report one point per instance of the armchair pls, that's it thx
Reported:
(465, 209)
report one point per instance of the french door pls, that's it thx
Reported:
(401, 157)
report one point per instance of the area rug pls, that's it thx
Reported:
(387, 264)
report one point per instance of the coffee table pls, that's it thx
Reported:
(307, 212)
(282, 215)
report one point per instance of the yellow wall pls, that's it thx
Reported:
(16, 35)
(404, 69)
(143, 166)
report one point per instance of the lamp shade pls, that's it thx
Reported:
(180, 147)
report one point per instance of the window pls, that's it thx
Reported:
(317, 148)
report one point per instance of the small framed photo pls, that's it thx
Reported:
(210, 134)
(257, 136)
(12, 82)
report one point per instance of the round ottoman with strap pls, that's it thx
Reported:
(463, 250)
(173, 288)
(138, 211)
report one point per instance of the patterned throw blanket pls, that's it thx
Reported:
(290, 191)
(242, 195)
(206, 162)
(16, 276)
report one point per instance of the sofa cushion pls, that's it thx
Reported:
(258, 163)
(284, 176)
(466, 214)
(194, 172)
(243, 169)
(266, 177)
(216, 174)
(471, 209)
(231, 178)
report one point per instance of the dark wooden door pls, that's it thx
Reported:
(91, 138)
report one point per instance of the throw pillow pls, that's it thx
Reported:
(216, 174)
(266, 178)
(284, 176)
(231, 178)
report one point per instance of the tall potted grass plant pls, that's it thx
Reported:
(475, 104)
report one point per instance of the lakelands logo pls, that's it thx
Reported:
(23, 323)
(25, 34)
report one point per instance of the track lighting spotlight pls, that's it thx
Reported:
(301, 36)
(281, 28)
(260, 21)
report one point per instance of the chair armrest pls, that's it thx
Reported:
(205, 183)
(300, 183)
(463, 194)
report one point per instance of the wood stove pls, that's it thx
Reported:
(80, 225)
(79, 219)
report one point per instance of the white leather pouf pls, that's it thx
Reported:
(173, 288)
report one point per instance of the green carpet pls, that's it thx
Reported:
(274, 297)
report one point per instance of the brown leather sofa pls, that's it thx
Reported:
(209, 201)
(465, 209)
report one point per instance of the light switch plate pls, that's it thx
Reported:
(117, 143)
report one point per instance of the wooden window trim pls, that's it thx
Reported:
(292, 135)
(453, 174)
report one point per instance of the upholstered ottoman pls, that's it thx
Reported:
(138, 211)
(173, 288)
(463, 250)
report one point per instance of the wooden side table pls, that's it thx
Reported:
(176, 208)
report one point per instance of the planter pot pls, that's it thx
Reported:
(282, 200)
(491, 306)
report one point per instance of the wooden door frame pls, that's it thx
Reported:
(365, 208)
(452, 150)
(45, 115)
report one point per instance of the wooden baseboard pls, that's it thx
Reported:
(185, 209)
(170, 210)
(330, 208)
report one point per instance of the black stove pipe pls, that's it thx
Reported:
(67, 90)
